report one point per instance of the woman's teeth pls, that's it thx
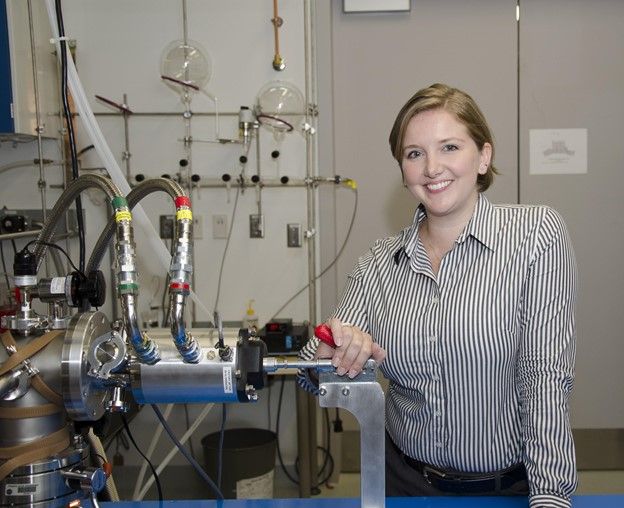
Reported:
(438, 185)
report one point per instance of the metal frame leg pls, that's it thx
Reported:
(363, 397)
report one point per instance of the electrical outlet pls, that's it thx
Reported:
(256, 226)
(293, 235)
(16, 220)
(219, 226)
(166, 226)
(198, 227)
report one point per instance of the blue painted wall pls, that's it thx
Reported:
(6, 94)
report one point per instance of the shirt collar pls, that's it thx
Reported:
(483, 226)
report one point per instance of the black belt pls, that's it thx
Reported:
(466, 483)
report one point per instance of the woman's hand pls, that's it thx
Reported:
(353, 348)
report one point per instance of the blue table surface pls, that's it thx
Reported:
(593, 501)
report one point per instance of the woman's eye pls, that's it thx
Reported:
(413, 154)
(450, 148)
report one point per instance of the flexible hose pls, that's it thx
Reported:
(100, 453)
(64, 202)
(134, 196)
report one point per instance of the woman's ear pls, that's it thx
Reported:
(486, 158)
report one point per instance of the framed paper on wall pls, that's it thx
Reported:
(375, 5)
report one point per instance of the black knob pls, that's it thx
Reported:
(255, 178)
(24, 263)
(195, 178)
(91, 289)
(275, 154)
(226, 177)
(166, 175)
(94, 288)
(140, 177)
(183, 163)
(284, 180)
(243, 159)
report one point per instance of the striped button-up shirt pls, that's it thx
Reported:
(480, 357)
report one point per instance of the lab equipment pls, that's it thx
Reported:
(64, 370)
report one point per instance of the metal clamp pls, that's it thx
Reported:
(106, 352)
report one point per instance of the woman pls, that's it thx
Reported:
(471, 311)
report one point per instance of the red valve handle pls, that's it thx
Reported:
(324, 334)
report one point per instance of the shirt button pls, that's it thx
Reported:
(435, 377)
(432, 338)
(435, 300)
(437, 413)
(438, 444)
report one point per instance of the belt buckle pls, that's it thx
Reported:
(429, 470)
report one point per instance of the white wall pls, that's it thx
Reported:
(119, 50)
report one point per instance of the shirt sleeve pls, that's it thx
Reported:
(545, 366)
(351, 309)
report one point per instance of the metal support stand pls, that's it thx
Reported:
(363, 397)
(303, 442)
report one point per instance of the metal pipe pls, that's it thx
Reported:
(127, 283)
(181, 267)
(126, 155)
(175, 113)
(311, 194)
(181, 276)
(35, 232)
(27, 163)
(258, 172)
(271, 364)
(310, 169)
(184, 24)
(41, 183)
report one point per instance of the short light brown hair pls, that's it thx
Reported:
(462, 106)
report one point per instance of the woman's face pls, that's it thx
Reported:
(441, 162)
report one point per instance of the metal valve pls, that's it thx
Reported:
(90, 480)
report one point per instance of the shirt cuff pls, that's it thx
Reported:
(549, 501)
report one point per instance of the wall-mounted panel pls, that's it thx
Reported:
(19, 80)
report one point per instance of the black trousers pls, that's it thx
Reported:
(402, 480)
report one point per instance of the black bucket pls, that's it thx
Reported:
(248, 462)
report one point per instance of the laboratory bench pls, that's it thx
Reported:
(588, 501)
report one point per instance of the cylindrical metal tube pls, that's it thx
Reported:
(170, 380)
(15, 432)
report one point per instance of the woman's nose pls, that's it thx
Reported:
(432, 168)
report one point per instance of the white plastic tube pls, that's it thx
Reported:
(96, 446)
(174, 450)
(99, 142)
